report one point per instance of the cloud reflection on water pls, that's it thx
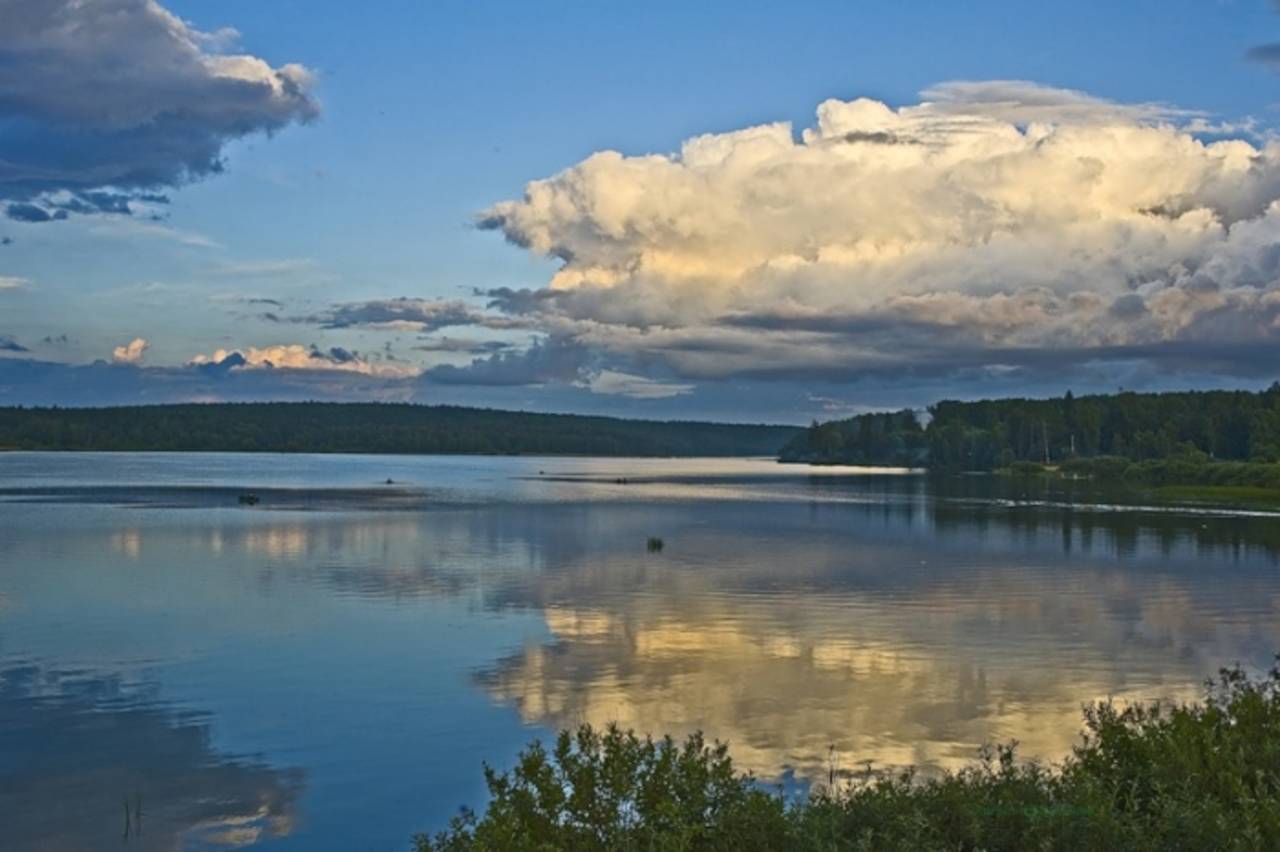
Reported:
(91, 761)
(899, 633)
(898, 619)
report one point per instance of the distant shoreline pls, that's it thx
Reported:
(377, 429)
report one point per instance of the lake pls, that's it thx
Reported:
(329, 668)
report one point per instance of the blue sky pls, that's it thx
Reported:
(416, 118)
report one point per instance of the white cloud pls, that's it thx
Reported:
(130, 353)
(294, 356)
(13, 282)
(283, 267)
(615, 383)
(994, 215)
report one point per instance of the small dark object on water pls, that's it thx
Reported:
(248, 499)
(390, 481)
(655, 544)
(621, 480)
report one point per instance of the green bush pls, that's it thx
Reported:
(613, 790)
(1196, 776)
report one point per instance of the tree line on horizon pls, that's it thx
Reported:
(373, 428)
(1241, 426)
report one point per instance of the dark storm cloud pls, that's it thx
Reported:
(555, 377)
(831, 323)
(963, 364)
(109, 101)
(464, 346)
(220, 368)
(522, 301)
(24, 212)
(30, 382)
(416, 314)
(550, 360)
(337, 354)
(879, 138)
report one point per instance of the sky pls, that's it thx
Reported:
(734, 211)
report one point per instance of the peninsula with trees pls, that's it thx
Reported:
(1228, 439)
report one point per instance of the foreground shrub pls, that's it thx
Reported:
(1146, 777)
(614, 790)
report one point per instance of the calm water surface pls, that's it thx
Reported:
(328, 669)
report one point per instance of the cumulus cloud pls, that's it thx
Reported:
(294, 356)
(131, 352)
(112, 101)
(991, 225)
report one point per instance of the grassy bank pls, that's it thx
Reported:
(1184, 478)
(1231, 495)
(1194, 777)
(1187, 470)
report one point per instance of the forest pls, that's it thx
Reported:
(1198, 427)
(1234, 435)
(373, 428)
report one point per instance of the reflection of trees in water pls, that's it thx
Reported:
(90, 762)
(510, 552)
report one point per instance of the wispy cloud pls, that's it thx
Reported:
(124, 228)
(279, 268)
